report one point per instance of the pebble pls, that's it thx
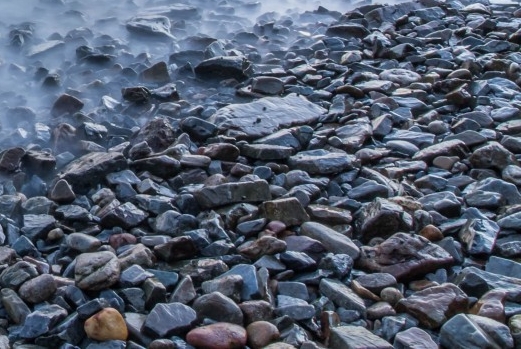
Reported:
(108, 324)
(219, 335)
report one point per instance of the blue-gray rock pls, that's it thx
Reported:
(167, 319)
(340, 294)
(230, 193)
(508, 190)
(133, 276)
(322, 162)
(15, 307)
(333, 241)
(492, 155)
(96, 270)
(36, 226)
(267, 115)
(15, 275)
(476, 282)
(38, 289)
(251, 288)
(287, 210)
(510, 221)
(356, 337)
(502, 266)
(82, 242)
(42, 320)
(414, 338)
(126, 216)
(296, 308)
(380, 218)
(480, 332)
(479, 236)
(218, 307)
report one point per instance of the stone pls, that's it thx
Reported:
(381, 218)
(482, 333)
(167, 319)
(414, 338)
(42, 320)
(492, 155)
(90, 169)
(62, 192)
(158, 134)
(435, 305)
(276, 113)
(286, 210)
(479, 236)
(265, 245)
(219, 335)
(322, 162)
(230, 193)
(126, 216)
(333, 241)
(342, 295)
(491, 305)
(454, 147)
(476, 282)
(96, 270)
(219, 308)
(404, 256)
(66, 104)
(225, 67)
(251, 283)
(261, 333)
(108, 324)
(15, 307)
(38, 289)
(154, 26)
(10, 159)
(356, 337)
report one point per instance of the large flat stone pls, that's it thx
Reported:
(231, 193)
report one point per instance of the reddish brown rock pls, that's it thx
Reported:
(265, 245)
(107, 324)
(261, 333)
(220, 335)
(435, 305)
(431, 233)
(404, 256)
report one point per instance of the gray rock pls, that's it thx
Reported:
(82, 242)
(482, 333)
(454, 147)
(230, 193)
(475, 283)
(276, 113)
(169, 319)
(414, 338)
(479, 236)
(356, 337)
(126, 216)
(380, 218)
(155, 26)
(251, 287)
(36, 226)
(38, 289)
(14, 306)
(492, 155)
(322, 162)
(508, 190)
(287, 210)
(218, 307)
(15, 275)
(96, 270)
(42, 320)
(295, 308)
(225, 67)
(333, 241)
(342, 295)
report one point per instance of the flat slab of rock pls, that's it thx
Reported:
(454, 147)
(322, 162)
(381, 218)
(167, 319)
(91, 169)
(476, 282)
(435, 305)
(231, 193)
(404, 256)
(287, 210)
(96, 270)
(267, 115)
(356, 337)
(342, 295)
(333, 241)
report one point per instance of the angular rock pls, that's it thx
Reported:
(230, 193)
(218, 307)
(108, 324)
(356, 337)
(333, 241)
(169, 319)
(225, 67)
(96, 270)
(322, 162)
(342, 295)
(381, 218)
(286, 210)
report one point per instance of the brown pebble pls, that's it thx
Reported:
(108, 324)
(261, 333)
(431, 233)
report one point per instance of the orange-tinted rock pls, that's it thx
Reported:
(261, 333)
(107, 324)
(221, 335)
(431, 233)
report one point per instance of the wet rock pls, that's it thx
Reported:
(42, 320)
(225, 67)
(126, 216)
(38, 289)
(354, 337)
(66, 104)
(381, 218)
(435, 305)
(15, 275)
(157, 133)
(10, 159)
(158, 73)
(230, 193)
(108, 324)
(404, 256)
(220, 335)
(15, 307)
(342, 295)
(218, 307)
(154, 26)
(167, 319)
(322, 162)
(96, 270)
(483, 332)
(286, 210)
(475, 283)
(479, 236)
(333, 242)
(244, 120)
(414, 338)
(91, 169)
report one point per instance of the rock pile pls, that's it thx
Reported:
(310, 180)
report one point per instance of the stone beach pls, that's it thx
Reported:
(218, 175)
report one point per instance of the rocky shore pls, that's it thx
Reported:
(191, 177)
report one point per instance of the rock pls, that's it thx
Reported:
(380, 218)
(96, 270)
(333, 242)
(287, 210)
(276, 113)
(230, 193)
(126, 216)
(454, 147)
(10, 159)
(479, 236)
(261, 333)
(14, 306)
(218, 307)
(157, 73)
(435, 305)
(251, 283)
(153, 26)
(342, 295)
(36, 226)
(483, 333)
(40, 321)
(475, 283)
(158, 133)
(492, 155)
(62, 192)
(66, 104)
(167, 319)
(38, 289)
(108, 324)
(220, 335)
(322, 162)
(404, 256)
(267, 85)
(265, 245)
(414, 338)
(225, 67)
(491, 305)
(89, 170)
(514, 326)
(355, 337)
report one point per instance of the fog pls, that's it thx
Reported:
(65, 25)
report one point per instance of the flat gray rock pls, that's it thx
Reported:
(267, 115)
(356, 337)
(333, 241)
(230, 193)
